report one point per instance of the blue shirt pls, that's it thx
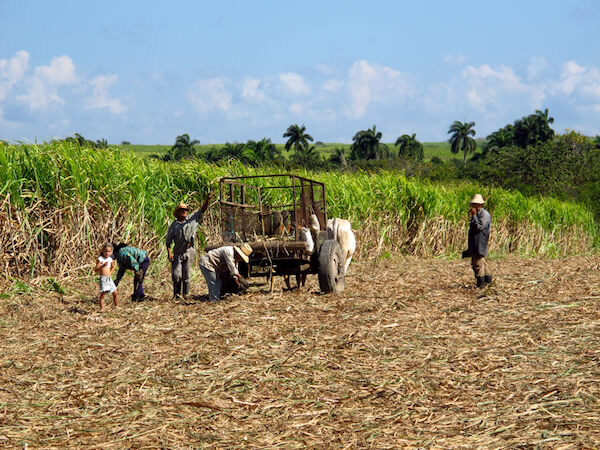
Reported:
(131, 258)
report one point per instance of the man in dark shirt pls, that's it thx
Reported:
(479, 235)
(182, 235)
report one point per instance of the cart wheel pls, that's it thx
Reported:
(331, 267)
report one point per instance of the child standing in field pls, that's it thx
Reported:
(105, 266)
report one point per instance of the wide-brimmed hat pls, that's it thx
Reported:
(477, 199)
(244, 251)
(180, 206)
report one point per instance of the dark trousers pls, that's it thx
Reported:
(138, 287)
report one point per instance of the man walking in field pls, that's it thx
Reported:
(479, 234)
(182, 234)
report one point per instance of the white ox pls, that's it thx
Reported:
(341, 231)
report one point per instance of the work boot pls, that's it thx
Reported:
(487, 279)
(176, 289)
(186, 288)
(480, 282)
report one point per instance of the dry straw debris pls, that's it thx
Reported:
(410, 355)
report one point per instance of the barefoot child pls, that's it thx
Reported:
(105, 266)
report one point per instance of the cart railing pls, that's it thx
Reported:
(258, 207)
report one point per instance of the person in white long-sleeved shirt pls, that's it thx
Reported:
(220, 263)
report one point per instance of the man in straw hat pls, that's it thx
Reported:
(479, 235)
(181, 235)
(219, 264)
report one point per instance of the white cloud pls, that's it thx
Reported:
(251, 91)
(579, 87)
(100, 97)
(488, 87)
(583, 82)
(333, 85)
(12, 71)
(61, 70)
(592, 90)
(42, 88)
(293, 84)
(210, 94)
(369, 83)
(39, 94)
(571, 75)
(504, 77)
(327, 99)
(536, 67)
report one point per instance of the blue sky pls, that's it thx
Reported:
(146, 71)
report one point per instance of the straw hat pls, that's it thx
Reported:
(477, 199)
(180, 206)
(244, 251)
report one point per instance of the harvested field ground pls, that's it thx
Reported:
(411, 355)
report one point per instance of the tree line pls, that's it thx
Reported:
(366, 146)
(526, 155)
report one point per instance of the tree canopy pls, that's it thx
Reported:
(410, 147)
(297, 138)
(461, 140)
(184, 148)
(366, 145)
(527, 131)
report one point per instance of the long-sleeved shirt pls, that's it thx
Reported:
(130, 258)
(479, 232)
(183, 233)
(220, 260)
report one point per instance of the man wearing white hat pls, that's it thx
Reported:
(220, 263)
(479, 235)
(182, 233)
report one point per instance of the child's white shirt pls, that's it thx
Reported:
(103, 260)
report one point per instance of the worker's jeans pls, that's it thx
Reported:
(480, 266)
(181, 267)
(138, 285)
(214, 283)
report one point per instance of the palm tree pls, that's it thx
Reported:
(533, 129)
(183, 147)
(307, 158)
(461, 139)
(410, 147)
(237, 151)
(366, 145)
(264, 150)
(82, 141)
(543, 130)
(101, 143)
(297, 138)
(544, 116)
(338, 158)
(502, 138)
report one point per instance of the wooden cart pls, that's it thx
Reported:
(266, 211)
